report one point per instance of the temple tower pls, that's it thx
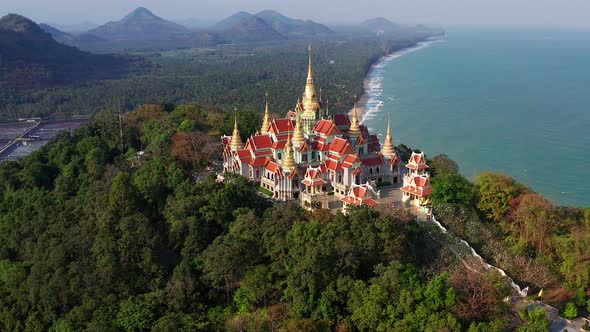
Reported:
(355, 129)
(236, 140)
(309, 101)
(388, 149)
(266, 118)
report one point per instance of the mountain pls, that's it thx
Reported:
(250, 29)
(58, 35)
(379, 24)
(294, 27)
(31, 58)
(230, 21)
(141, 24)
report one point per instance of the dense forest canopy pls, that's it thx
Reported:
(95, 236)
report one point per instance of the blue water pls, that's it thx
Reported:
(509, 100)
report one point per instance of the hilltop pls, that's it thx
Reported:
(141, 24)
(250, 29)
(276, 21)
(31, 58)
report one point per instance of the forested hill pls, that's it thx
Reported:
(30, 58)
(95, 236)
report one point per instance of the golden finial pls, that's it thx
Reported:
(355, 129)
(236, 140)
(388, 148)
(298, 137)
(289, 160)
(266, 118)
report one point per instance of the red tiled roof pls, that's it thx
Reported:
(340, 146)
(259, 142)
(350, 160)
(317, 182)
(279, 144)
(373, 161)
(326, 128)
(244, 155)
(259, 153)
(333, 165)
(257, 162)
(342, 120)
(351, 200)
(304, 147)
(282, 125)
(420, 192)
(419, 166)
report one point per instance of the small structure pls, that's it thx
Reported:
(358, 195)
(416, 186)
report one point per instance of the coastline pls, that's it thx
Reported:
(367, 104)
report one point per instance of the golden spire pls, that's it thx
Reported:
(298, 137)
(310, 100)
(388, 148)
(328, 108)
(266, 118)
(289, 160)
(236, 140)
(355, 129)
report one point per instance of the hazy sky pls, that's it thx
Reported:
(487, 12)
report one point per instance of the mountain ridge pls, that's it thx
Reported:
(140, 24)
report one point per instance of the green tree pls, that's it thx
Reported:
(441, 164)
(535, 321)
(451, 188)
(570, 311)
(495, 191)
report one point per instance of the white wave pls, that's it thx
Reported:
(373, 83)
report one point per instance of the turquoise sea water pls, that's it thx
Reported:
(511, 100)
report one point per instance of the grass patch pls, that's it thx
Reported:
(265, 191)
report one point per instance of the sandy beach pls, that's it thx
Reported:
(372, 82)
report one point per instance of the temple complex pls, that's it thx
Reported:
(318, 158)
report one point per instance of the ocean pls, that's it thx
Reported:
(513, 100)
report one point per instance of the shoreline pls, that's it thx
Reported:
(369, 84)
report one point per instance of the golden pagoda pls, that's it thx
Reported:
(355, 129)
(289, 160)
(388, 148)
(236, 140)
(310, 100)
(266, 118)
(298, 137)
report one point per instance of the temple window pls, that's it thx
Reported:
(279, 156)
(377, 169)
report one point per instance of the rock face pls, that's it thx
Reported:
(141, 24)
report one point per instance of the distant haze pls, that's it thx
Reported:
(567, 13)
